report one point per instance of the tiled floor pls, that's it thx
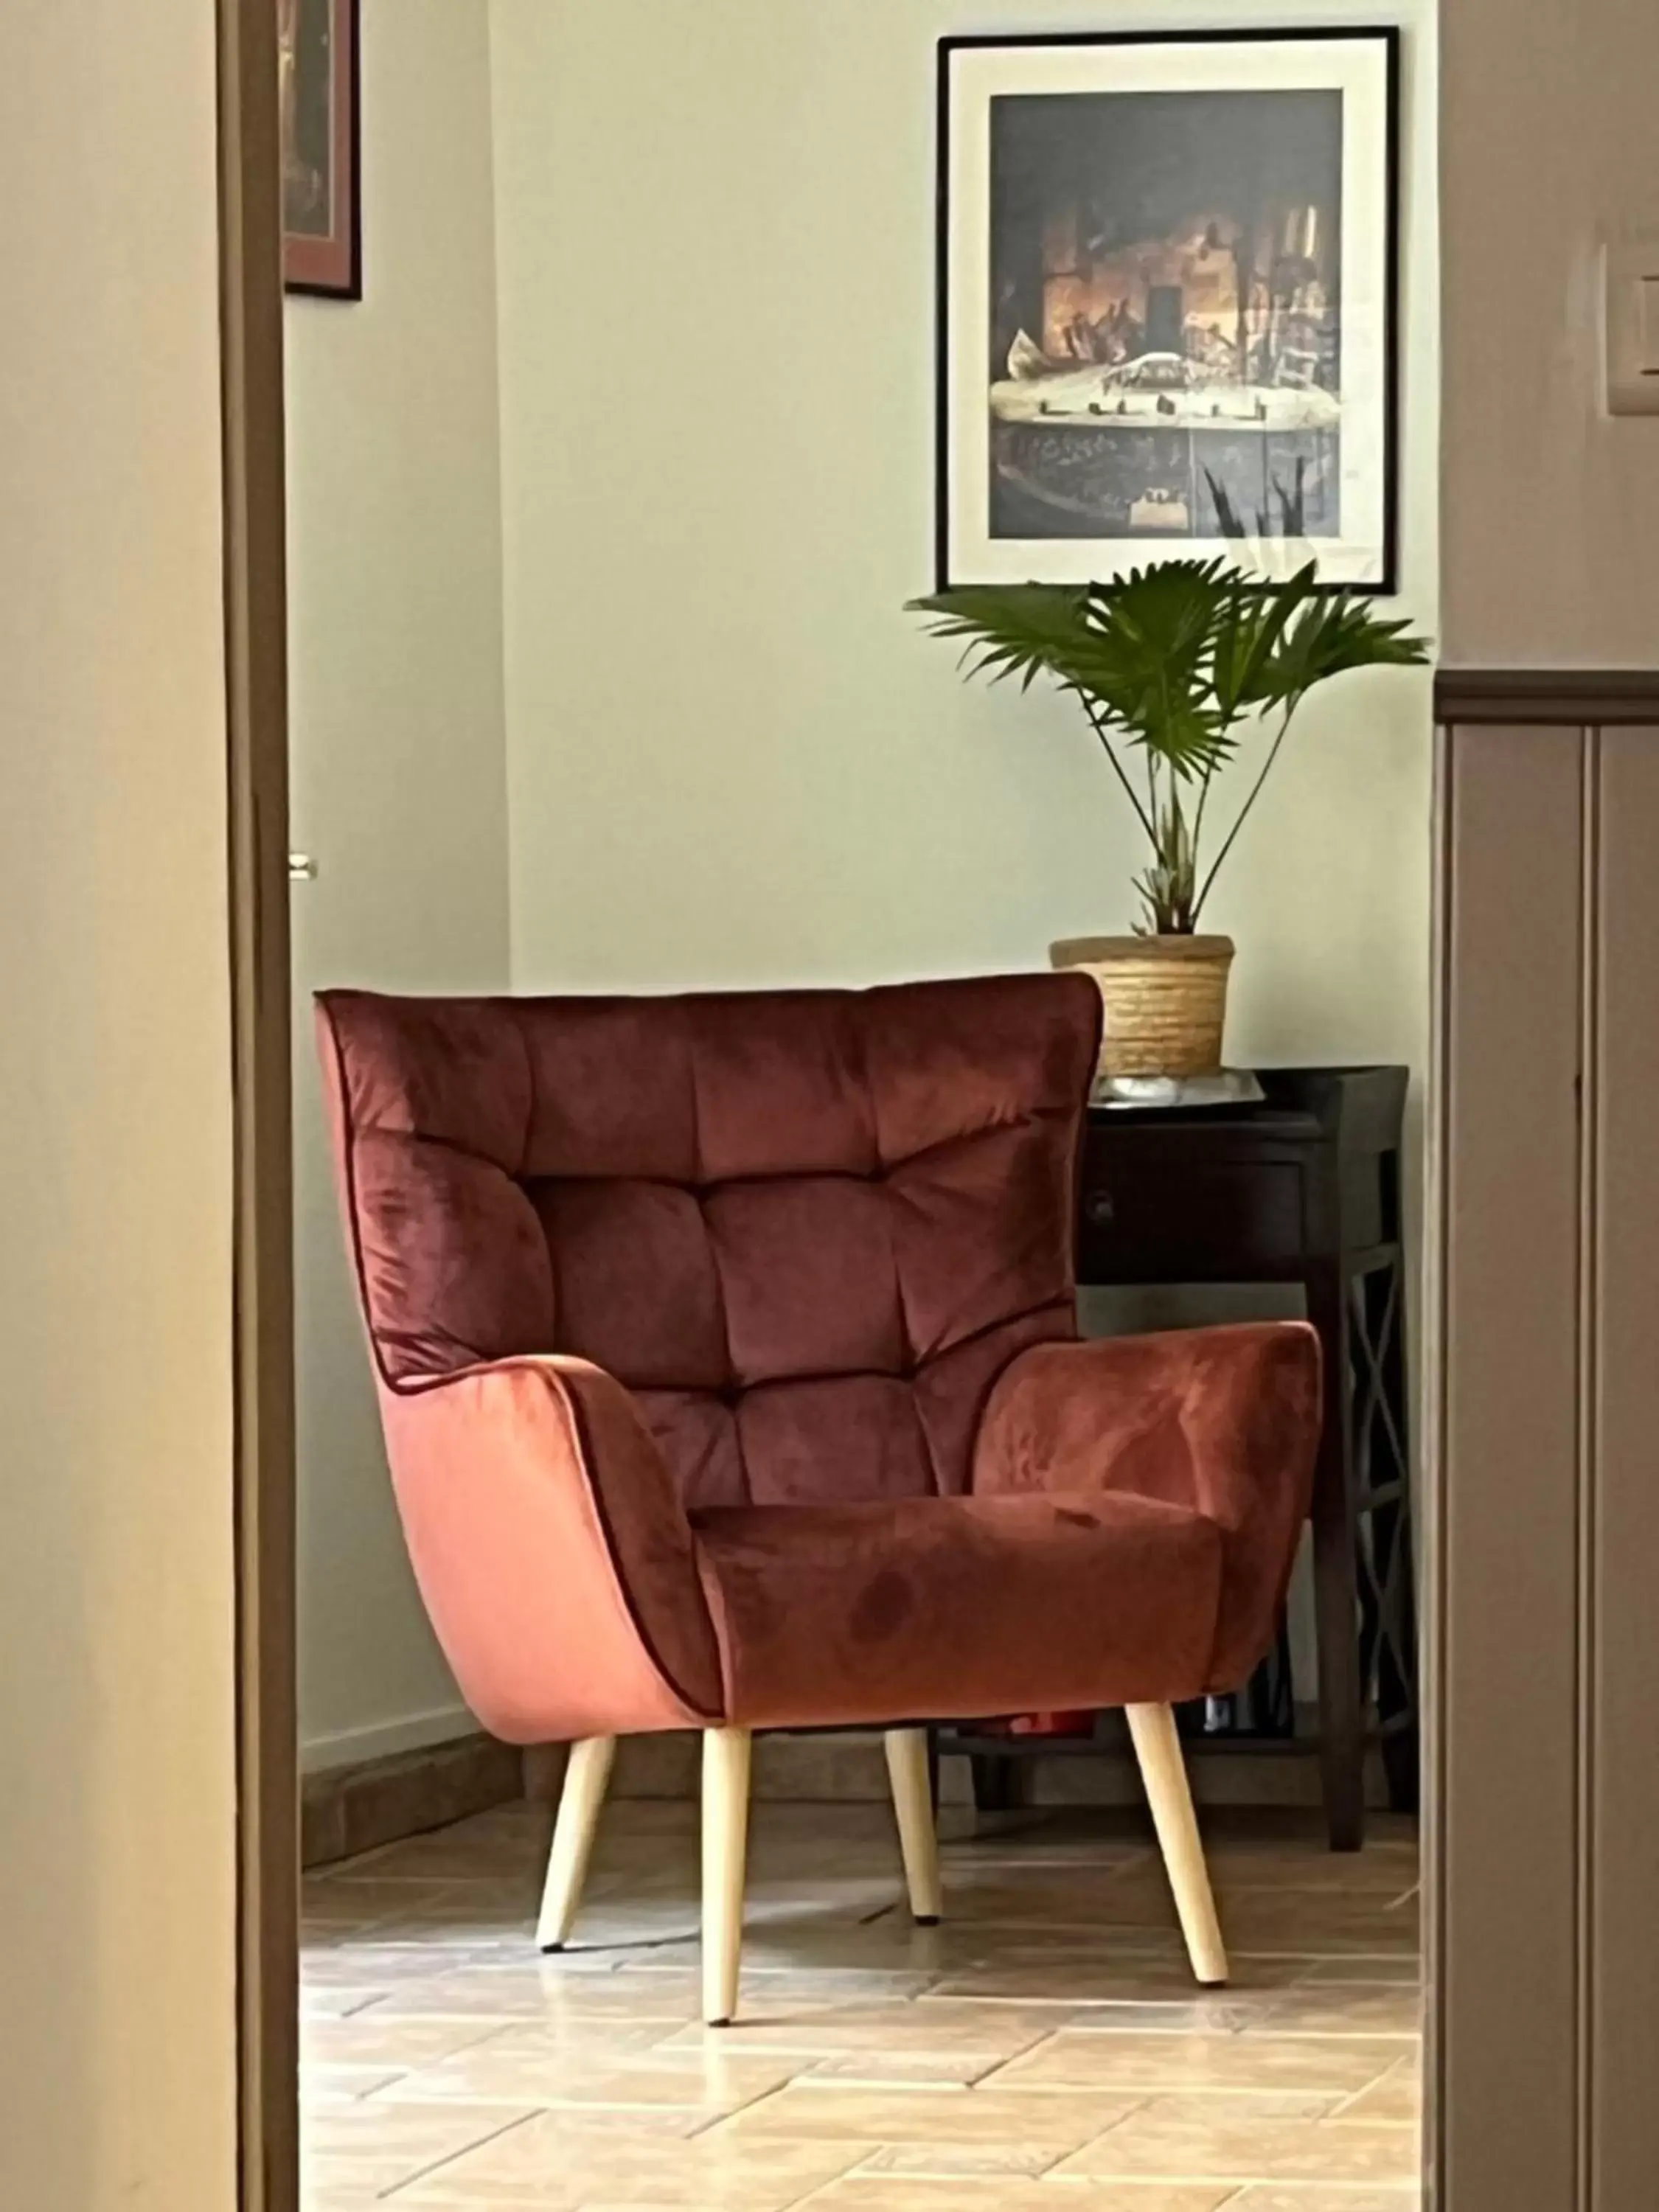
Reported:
(1043, 2051)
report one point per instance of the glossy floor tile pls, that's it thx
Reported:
(1044, 2050)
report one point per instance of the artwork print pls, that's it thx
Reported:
(1166, 291)
(317, 62)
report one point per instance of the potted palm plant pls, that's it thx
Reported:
(1175, 663)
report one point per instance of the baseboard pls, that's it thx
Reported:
(349, 1809)
(359, 1746)
(850, 1767)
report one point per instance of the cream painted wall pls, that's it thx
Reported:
(1549, 502)
(398, 766)
(733, 759)
(117, 1821)
(783, 781)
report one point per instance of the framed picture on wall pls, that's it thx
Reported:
(1167, 303)
(322, 237)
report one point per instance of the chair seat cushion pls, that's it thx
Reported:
(946, 1608)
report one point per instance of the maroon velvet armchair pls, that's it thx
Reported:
(727, 1359)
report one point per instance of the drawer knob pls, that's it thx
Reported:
(1098, 1209)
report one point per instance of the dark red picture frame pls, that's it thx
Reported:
(322, 225)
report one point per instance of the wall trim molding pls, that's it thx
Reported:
(1591, 698)
(348, 1810)
(391, 1739)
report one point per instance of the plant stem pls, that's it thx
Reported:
(1099, 728)
(1203, 797)
(1198, 820)
(1243, 813)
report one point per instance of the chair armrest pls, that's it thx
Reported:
(1224, 1421)
(553, 1555)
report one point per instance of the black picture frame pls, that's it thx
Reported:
(1386, 40)
(320, 54)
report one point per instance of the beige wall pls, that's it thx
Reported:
(116, 1926)
(733, 757)
(398, 768)
(1549, 503)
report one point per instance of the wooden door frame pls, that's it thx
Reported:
(256, 659)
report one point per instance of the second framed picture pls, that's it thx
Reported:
(1167, 303)
(317, 45)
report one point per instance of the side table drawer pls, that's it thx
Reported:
(1193, 1221)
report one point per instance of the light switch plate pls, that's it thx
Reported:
(1630, 292)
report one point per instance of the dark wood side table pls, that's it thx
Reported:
(1303, 1189)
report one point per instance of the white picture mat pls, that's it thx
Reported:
(1358, 68)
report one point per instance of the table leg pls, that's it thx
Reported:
(1391, 1542)
(1402, 1765)
(993, 1784)
(1336, 1580)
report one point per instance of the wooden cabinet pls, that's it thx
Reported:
(1303, 1189)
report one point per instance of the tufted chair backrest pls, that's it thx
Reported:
(806, 1230)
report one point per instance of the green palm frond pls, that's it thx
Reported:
(1136, 651)
(1022, 630)
(1247, 634)
(1328, 636)
(1148, 656)
(1175, 659)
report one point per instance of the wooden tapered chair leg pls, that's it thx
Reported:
(913, 1807)
(587, 1771)
(725, 1849)
(1164, 1770)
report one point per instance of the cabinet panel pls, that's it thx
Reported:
(1506, 1877)
(1145, 1220)
(1622, 1754)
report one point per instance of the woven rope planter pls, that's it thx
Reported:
(1166, 1000)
